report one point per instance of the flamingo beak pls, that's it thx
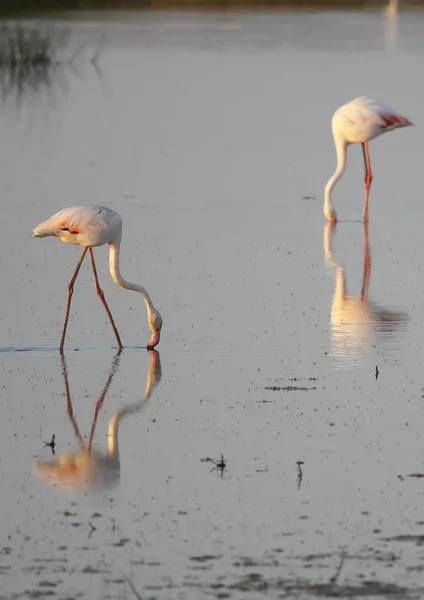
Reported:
(154, 339)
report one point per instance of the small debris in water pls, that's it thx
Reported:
(334, 578)
(121, 542)
(288, 388)
(376, 372)
(92, 529)
(299, 464)
(419, 539)
(219, 465)
(134, 591)
(51, 444)
(205, 557)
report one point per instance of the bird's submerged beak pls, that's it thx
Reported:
(154, 339)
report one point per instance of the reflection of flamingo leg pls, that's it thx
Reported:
(69, 408)
(100, 401)
(367, 267)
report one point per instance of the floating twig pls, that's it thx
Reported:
(51, 444)
(134, 591)
(333, 580)
(299, 464)
(219, 465)
(92, 529)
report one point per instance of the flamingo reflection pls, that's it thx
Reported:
(355, 319)
(391, 25)
(84, 469)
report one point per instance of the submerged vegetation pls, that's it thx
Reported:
(29, 46)
(32, 55)
(29, 54)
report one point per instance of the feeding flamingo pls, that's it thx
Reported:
(358, 122)
(91, 226)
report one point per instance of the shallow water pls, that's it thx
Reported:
(211, 136)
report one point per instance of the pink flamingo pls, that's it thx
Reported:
(91, 226)
(358, 122)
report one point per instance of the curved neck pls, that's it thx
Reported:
(341, 147)
(114, 248)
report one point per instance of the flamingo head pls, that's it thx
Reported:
(155, 323)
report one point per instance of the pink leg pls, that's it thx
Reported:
(102, 298)
(368, 179)
(70, 292)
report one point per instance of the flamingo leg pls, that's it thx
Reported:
(367, 179)
(100, 293)
(70, 292)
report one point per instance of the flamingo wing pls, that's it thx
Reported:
(377, 113)
(363, 119)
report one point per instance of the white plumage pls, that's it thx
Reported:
(358, 122)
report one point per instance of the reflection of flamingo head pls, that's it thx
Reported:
(77, 471)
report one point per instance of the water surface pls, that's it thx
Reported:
(211, 136)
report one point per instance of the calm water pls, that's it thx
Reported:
(211, 136)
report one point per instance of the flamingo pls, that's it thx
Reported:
(89, 227)
(358, 122)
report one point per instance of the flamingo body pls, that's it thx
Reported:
(359, 122)
(364, 119)
(89, 227)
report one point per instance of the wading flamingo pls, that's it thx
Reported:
(358, 122)
(91, 226)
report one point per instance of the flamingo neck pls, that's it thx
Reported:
(114, 249)
(341, 148)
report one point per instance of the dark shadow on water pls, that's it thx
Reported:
(307, 589)
(85, 470)
(16, 6)
(55, 349)
(335, 580)
(37, 60)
